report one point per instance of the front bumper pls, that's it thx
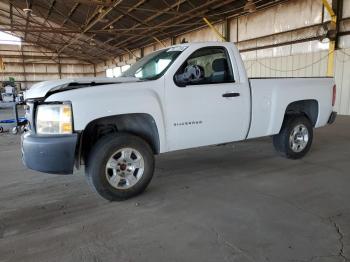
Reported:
(332, 118)
(49, 154)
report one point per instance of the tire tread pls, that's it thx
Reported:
(95, 172)
(281, 140)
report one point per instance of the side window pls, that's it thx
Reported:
(210, 65)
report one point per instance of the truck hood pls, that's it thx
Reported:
(42, 89)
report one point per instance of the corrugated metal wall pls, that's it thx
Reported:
(307, 65)
(306, 59)
(311, 64)
(342, 79)
(29, 64)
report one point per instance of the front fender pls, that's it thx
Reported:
(93, 103)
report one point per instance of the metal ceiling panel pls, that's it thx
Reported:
(95, 30)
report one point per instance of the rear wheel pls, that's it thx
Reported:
(295, 137)
(120, 166)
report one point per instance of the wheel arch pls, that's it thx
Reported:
(308, 108)
(139, 124)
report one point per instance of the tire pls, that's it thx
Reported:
(14, 130)
(120, 166)
(295, 138)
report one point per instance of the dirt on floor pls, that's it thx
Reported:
(240, 202)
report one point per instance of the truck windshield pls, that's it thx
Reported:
(154, 65)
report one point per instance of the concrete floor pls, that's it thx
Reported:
(229, 203)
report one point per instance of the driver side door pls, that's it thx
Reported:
(211, 109)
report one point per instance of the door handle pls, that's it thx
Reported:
(231, 95)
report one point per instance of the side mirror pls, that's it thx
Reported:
(193, 74)
(181, 84)
(179, 81)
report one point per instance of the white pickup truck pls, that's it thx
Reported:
(184, 96)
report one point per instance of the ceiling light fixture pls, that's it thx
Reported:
(103, 20)
(27, 11)
(92, 42)
(110, 29)
(250, 6)
(326, 33)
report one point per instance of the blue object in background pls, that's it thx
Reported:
(11, 121)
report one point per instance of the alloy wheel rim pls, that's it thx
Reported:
(125, 168)
(299, 138)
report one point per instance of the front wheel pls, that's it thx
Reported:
(295, 137)
(120, 166)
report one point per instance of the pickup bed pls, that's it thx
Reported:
(180, 97)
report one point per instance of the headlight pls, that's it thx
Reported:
(54, 119)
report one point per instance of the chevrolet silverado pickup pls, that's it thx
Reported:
(184, 96)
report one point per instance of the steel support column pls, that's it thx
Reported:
(227, 29)
(24, 69)
(59, 67)
(332, 43)
(338, 9)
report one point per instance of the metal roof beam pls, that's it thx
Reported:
(88, 27)
(49, 11)
(186, 15)
(29, 3)
(158, 14)
(71, 12)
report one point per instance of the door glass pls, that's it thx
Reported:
(206, 66)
